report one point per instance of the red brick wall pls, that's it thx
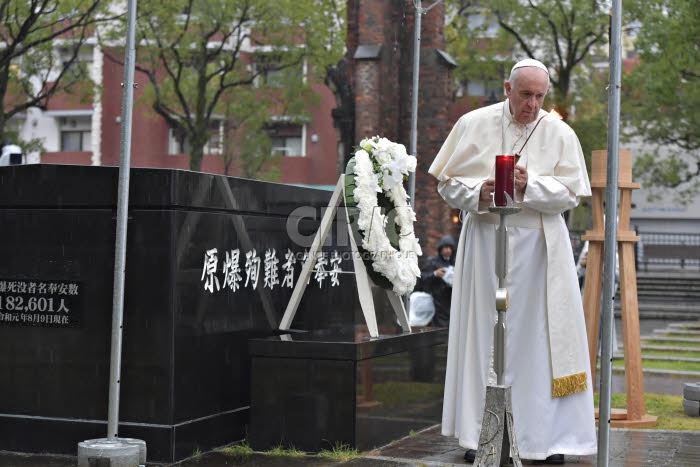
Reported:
(66, 157)
(384, 89)
(149, 136)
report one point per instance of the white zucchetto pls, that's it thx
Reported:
(529, 62)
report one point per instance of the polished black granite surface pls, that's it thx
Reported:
(189, 307)
(339, 387)
(96, 186)
(346, 342)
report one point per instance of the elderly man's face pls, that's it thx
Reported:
(526, 93)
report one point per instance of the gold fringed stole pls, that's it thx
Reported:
(567, 385)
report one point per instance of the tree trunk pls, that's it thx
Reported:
(196, 156)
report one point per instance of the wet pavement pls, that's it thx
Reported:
(627, 447)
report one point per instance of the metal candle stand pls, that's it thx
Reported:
(497, 438)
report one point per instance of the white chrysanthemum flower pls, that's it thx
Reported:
(399, 267)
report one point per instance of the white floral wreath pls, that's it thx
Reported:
(380, 168)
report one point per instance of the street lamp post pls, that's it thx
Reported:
(414, 107)
(414, 101)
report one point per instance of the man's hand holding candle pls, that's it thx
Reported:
(519, 181)
(520, 178)
(487, 189)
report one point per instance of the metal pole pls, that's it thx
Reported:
(413, 147)
(414, 120)
(414, 100)
(499, 332)
(611, 199)
(122, 217)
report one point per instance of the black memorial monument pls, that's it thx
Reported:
(210, 266)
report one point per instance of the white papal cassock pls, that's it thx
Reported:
(546, 353)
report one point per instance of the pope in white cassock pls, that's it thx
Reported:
(546, 354)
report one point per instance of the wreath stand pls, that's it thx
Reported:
(635, 415)
(364, 288)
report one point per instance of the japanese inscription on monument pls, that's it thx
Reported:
(52, 303)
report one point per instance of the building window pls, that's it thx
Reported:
(287, 145)
(76, 62)
(179, 144)
(287, 139)
(477, 21)
(75, 134)
(492, 88)
(476, 88)
(75, 141)
(484, 88)
(273, 72)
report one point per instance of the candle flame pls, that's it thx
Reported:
(555, 114)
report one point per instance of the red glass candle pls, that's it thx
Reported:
(505, 178)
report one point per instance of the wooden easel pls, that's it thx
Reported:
(635, 415)
(364, 288)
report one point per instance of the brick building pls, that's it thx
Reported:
(380, 43)
(370, 94)
(89, 133)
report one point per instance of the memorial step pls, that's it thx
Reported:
(620, 354)
(671, 339)
(670, 348)
(677, 332)
(656, 371)
(670, 358)
(664, 310)
(689, 325)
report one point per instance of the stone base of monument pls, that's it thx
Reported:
(323, 389)
(112, 452)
